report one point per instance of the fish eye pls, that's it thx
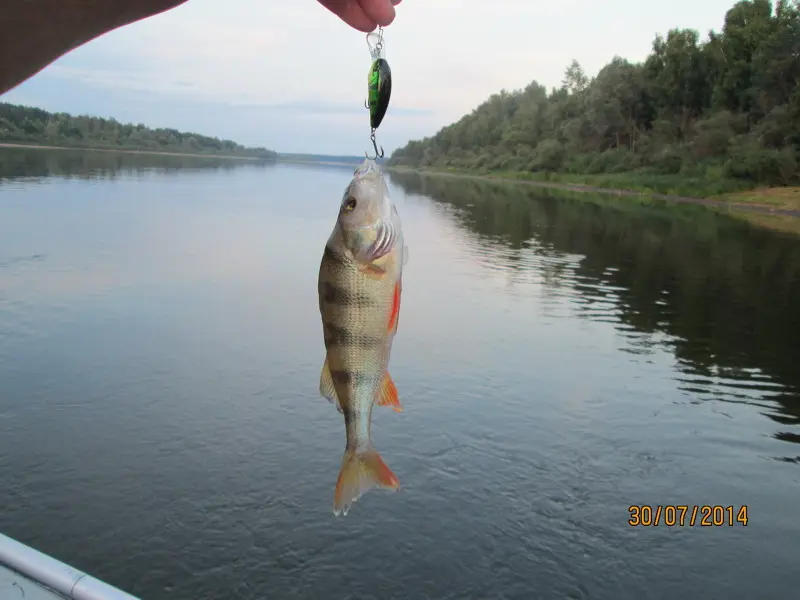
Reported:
(349, 204)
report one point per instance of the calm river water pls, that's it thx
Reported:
(559, 360)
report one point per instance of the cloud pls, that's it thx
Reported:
(141, 82)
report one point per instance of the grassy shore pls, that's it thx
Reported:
(782, 198)
(673, 185)
(130, 151)
(785, 198)
(777, 207)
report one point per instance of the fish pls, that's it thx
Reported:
(379, 91)
(360, 287)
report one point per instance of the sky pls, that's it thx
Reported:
(288, 75)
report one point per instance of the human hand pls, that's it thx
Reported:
(364, 15)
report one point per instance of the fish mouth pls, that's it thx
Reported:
(384, 242)
(367, 167)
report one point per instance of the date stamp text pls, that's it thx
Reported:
(687, 515)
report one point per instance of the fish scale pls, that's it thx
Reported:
(356, 311)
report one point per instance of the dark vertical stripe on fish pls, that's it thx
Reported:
(340, 336)
(333, 294)
(331, 256)
(354, 378)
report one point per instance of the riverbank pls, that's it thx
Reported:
(131, 151)
(315, 163)
(777, 208)
(770, 199)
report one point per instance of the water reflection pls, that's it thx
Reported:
(721, 294)
(34, 165)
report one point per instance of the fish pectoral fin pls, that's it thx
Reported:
(362, 470)
(326, 387)
(373, 271)
(405, 255)
(387, 395)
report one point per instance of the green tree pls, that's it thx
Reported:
(724, 107)
(24, 124)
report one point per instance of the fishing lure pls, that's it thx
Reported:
(379, 86)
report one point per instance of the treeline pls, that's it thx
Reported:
(727, 107)
(27, 125)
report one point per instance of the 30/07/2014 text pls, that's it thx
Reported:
(687, 515)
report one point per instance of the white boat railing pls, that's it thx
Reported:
(51, 573)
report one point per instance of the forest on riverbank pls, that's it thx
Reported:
(28, 125)
(705, 116)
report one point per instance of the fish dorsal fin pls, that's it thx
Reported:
(326, 387)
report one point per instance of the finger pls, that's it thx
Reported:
(350, 12)
(380, 11)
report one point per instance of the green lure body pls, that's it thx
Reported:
(379, 86)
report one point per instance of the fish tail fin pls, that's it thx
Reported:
(362, 470)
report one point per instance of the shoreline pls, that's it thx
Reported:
(128, 151)
(311, 163)
(726, 201)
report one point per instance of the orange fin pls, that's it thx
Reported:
(362, 470)
(387, 395)
(394, 313)
(326, 387)
(373, 271)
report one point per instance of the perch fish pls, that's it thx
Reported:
(360, 285)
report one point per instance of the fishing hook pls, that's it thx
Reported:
(374, 145)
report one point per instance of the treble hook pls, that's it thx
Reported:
(374, 145)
